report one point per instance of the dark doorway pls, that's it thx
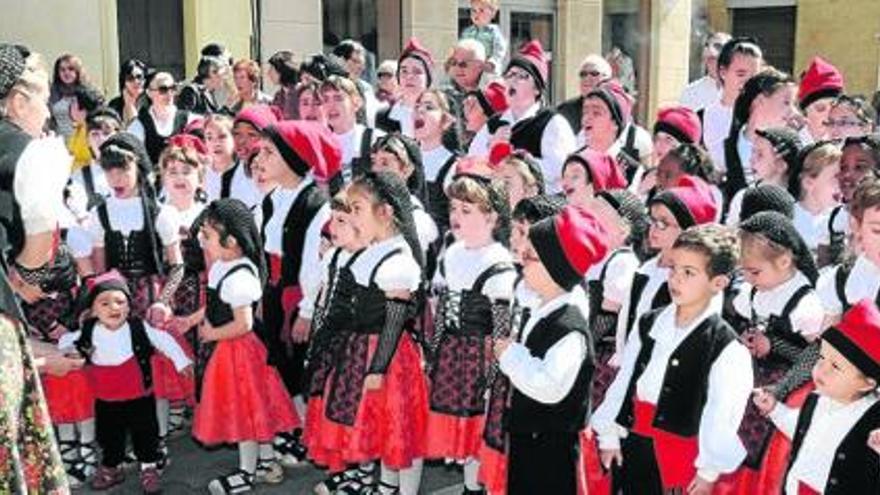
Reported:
(774, 28)
(152, 30)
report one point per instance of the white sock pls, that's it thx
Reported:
(67, 433)
(300, 405)
(389, 478)
(86, 430)
(471, 470)
(411, 478)
(365, 472)
(163, 409)
(267, 452)
(247, 456)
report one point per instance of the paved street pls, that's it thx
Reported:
(193, 467)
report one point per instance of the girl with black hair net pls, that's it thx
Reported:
(243, 399)
(475, 282)
(132, 233)
(400, 155)
(781, 316)
(376, 399)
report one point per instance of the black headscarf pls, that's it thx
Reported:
(390, 189)
(236, 220)
(779, 229)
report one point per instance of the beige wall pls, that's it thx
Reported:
(294, 25)
(86, 28)
(434, 23)
(580, 34)
(845, 32)
(224, 21)
(670, 53)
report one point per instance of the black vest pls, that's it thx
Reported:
(527, 415)
(661, 298)
(135, 254)
(840, 279)
(154, 142)
(385, 123)
(779, 326)
(217, 312)
(602, 323)
(303, 210)
(686, 381)
(438, 203)
(226, 180)
(856, 467)
(527, 133)
(573, 111)
(141, 346)
(13, 142)
(736, 175)
(469, 312)
(362, 163)
(355, 307)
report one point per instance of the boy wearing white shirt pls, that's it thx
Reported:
(551, 365)
(830, 434)
(680, 394)
(118, 350)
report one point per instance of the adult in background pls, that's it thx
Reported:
(246, 75)
(465, 67)
(67, 75)
(594, 70)
(162, 119)
(198, 96)
(386, 82)
(354, 56)
(283, 72)
(132, 76)
(33, 169)
(707, 89)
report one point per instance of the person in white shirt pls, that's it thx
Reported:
(739, 60)
(657, 428)
(540, 131)
(707, 89)
(342, 102)
(813, 183)
(118, 350)
(162, 118)
(549, 364)
(830, 433)
(415, 71)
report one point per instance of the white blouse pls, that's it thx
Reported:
(399, 272)
(113, 347)
(242, 288)
(863, 282)
(464, 265)
(806, 318)
(127, 215)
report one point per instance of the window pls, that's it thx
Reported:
(774, 28)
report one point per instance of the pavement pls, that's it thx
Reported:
(192, 467)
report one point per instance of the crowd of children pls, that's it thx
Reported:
(547, 300)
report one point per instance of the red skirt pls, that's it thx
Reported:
(592, 478)
(453, 437)
(770, 477)
(390, 423)
(69, 397)
(167, 382)
(493, 470)
(243, 398)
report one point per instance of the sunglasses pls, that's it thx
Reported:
(384, 75)
(589, 73)
(164, 90)
(135, 77)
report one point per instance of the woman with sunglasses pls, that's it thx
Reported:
(594, 69)
(528, 124)
(131, 90)
(162, 119)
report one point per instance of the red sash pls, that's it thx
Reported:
(675, 454)
(274, 269)
(117, 383)
(804, 489)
